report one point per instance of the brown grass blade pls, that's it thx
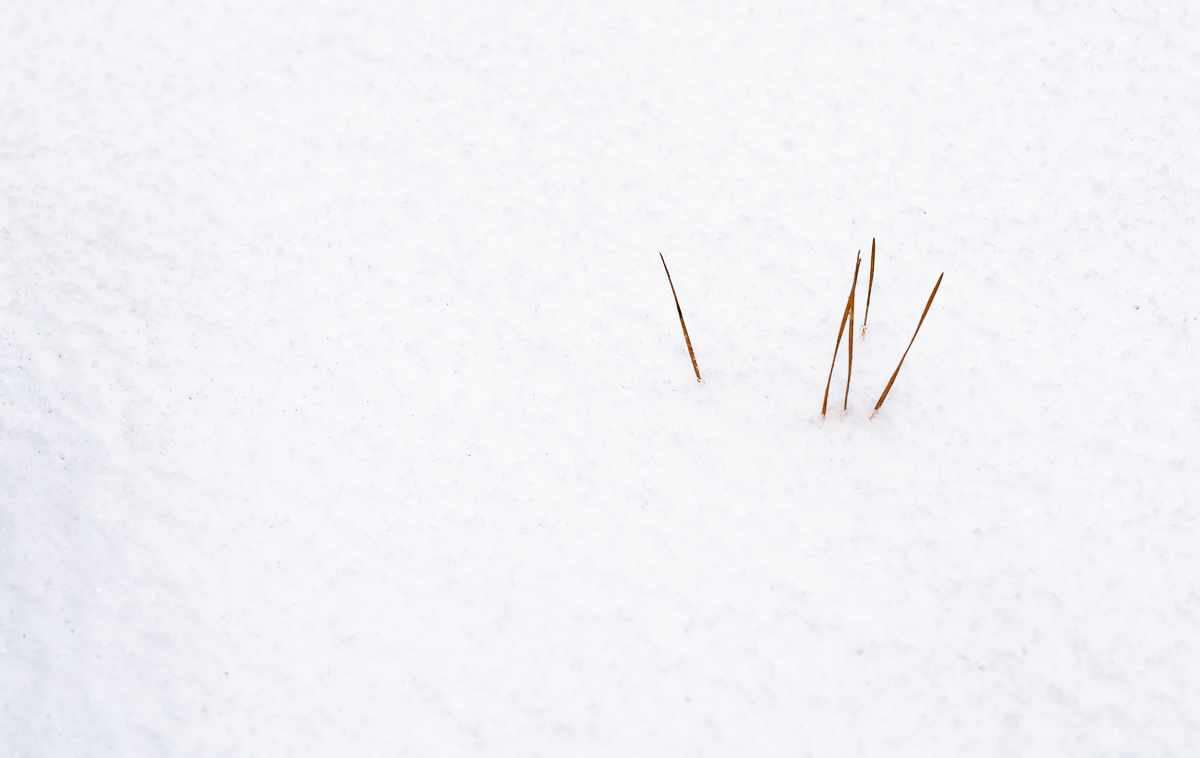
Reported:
(850, 356)
(888, 388)
(679, 310)
(870, 286)
(838, 345)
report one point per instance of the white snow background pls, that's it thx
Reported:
(344, 409)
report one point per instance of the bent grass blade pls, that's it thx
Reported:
(679, 310)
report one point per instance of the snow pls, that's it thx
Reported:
(344, 407)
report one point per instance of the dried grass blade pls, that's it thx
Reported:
(679, 310)
(837, 346)
(888, 388)
(850, 354)
(870, 286)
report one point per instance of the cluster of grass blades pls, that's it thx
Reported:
(848, 316)
(847, 319)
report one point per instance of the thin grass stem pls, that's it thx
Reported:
(841, 329)
(850, 354)
(679, 310)
(870, 286)
(896, 373)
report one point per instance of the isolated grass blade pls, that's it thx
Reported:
(888, 388)
(679, 310)
(870, 285)
(838, 345)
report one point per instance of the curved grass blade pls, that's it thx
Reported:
(838, 345)
(679, 310)
(850, 356)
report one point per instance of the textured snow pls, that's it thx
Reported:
(344, 408)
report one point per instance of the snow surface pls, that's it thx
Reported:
(344, 409)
